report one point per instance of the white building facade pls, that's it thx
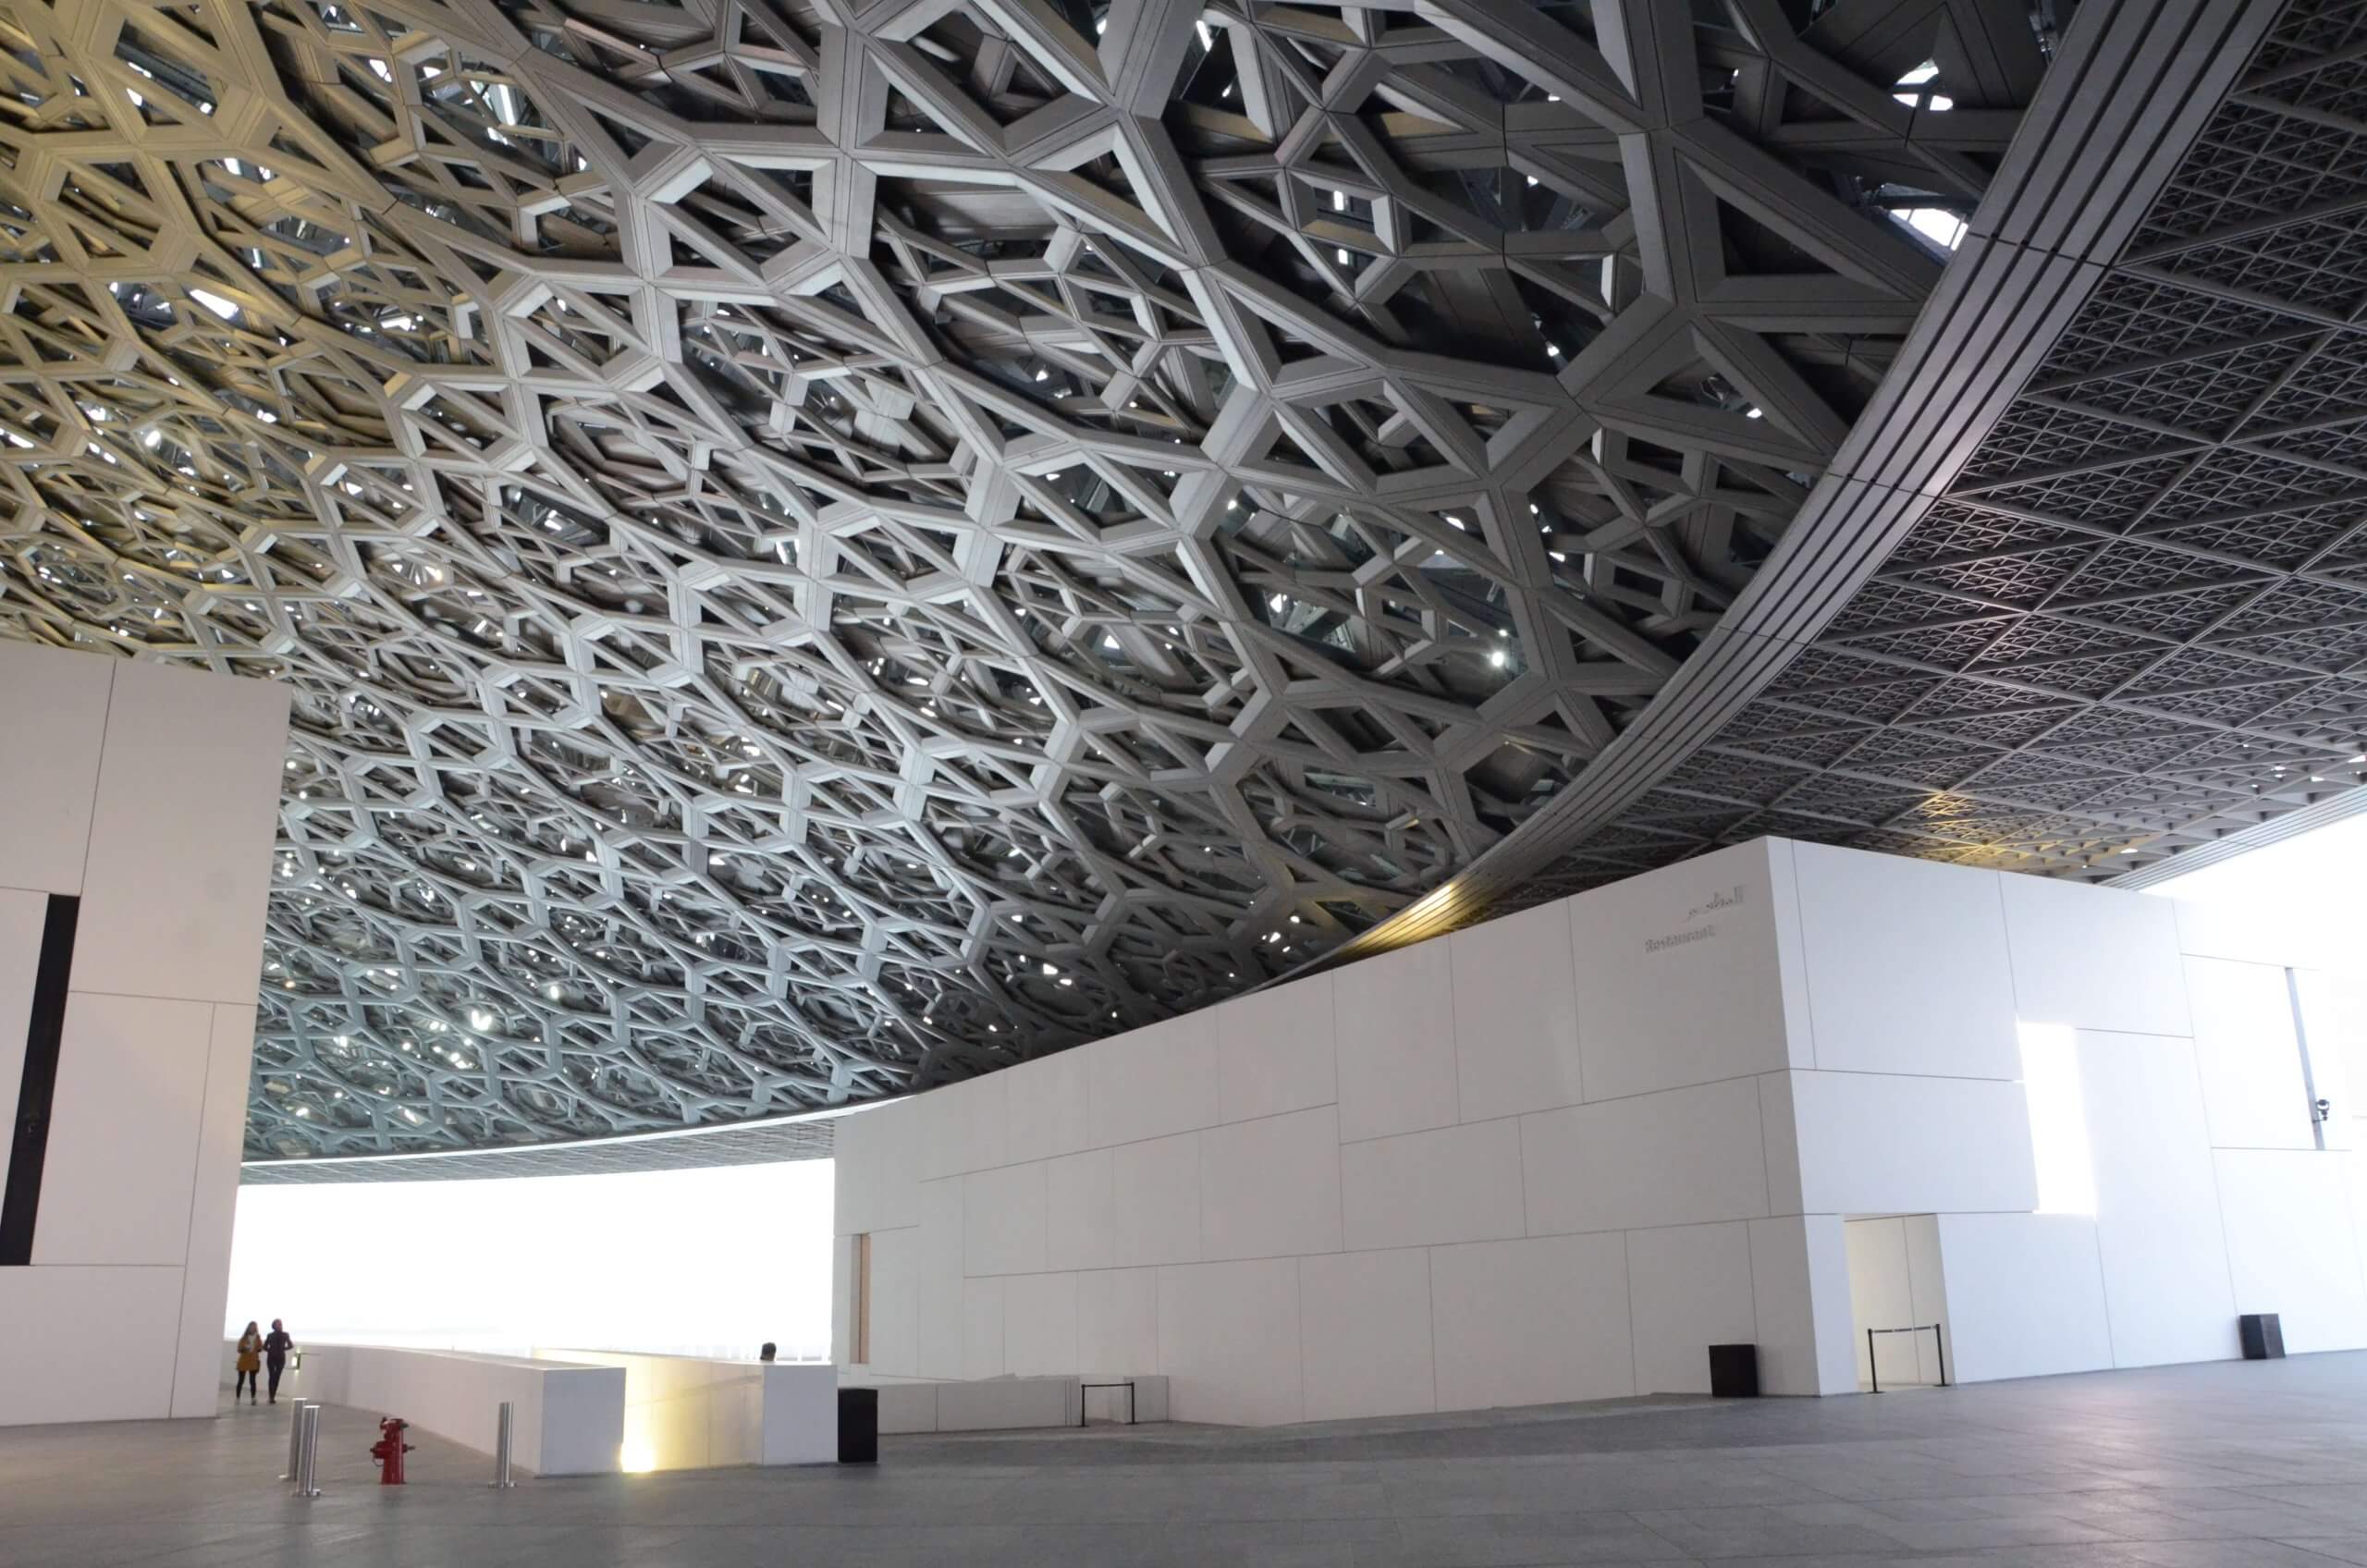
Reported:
(1777, 1095)
(139, 804)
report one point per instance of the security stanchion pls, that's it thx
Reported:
(294, 1438)
(501, 1480)
(308, 1457)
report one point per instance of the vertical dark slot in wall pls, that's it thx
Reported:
(46, 1029)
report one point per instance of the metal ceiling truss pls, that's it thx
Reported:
(822, 547)
(2134, 622)
(2084, 590)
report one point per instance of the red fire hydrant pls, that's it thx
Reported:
(389, 1448)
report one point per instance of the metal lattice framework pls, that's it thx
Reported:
(819, 545)
(2138, 620)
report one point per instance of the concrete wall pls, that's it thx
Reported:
(690, 1413)
(1557, 1156)
(150, 794)
(569, 1419)
(1416, 1186)
(2208, 1194)
(1896, 1282)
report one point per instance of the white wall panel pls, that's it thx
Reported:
(62, 698)
(1688, 1012)
(1531, 1322)
(1271, 1187)
(2025, 1295)
(87, 1345)
(2355, 1170)
(1681, 1157)
(896, 1288)
(206, 1277)
(1907, 967)
(1516, 1015)
(1229, 1341)
(1688, 1288)
(1871, 1144)
(1896, 1281)
(1931, 1303)
(982, 1119)
(1275, 1051)
(939, 1321)
(1039, 1325)
(1117, 1320)
(1148, 1082)
(2248, 1056)
(2095, 958)
(1080, 1216)
(854, 1184)
(1448, 1185)
(1155, 1201)
(1364, 1334)
(1048, 1108)
(1791, 956)
(173, 891)
(2255, 930)
(2333, 1017)
(1799, 1277)
(123, 1133)
(1003, 1220)
(1778, 1128)
(22, 915)
(982, 1326)
(2291, 1246)
(1395, 1029)
(877, 1182)
(935, 1140)
(842, 1278)
(2164, 1251)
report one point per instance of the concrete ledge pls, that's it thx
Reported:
(692, 1413)
(571, 1418)
(1000, 1404)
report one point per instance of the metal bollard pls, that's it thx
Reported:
(294, 1438)
(501, 1480)
(308, 1460)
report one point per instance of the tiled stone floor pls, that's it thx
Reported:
(2231, 1465)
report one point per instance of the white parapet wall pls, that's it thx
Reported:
(138, 806)
(688, 1412)
(1557, 1156)
(1009, 1404)
(569, 1418)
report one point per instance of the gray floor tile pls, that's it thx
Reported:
(2231, 1465)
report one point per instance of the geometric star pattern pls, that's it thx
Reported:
(2138, 620)
(819, 548)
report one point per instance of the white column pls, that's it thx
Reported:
(150, 795)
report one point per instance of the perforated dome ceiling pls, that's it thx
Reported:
(819, 547)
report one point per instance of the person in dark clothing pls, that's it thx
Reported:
(276, 1346)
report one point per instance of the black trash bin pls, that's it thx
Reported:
(2263, 1335)
(1733, 1371)
(858, 1426)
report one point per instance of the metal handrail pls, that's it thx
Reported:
(1938, 1343)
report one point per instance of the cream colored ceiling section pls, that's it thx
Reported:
(822, 545)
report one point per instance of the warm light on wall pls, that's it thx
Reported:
(636, 1457)
(2066, 1179)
